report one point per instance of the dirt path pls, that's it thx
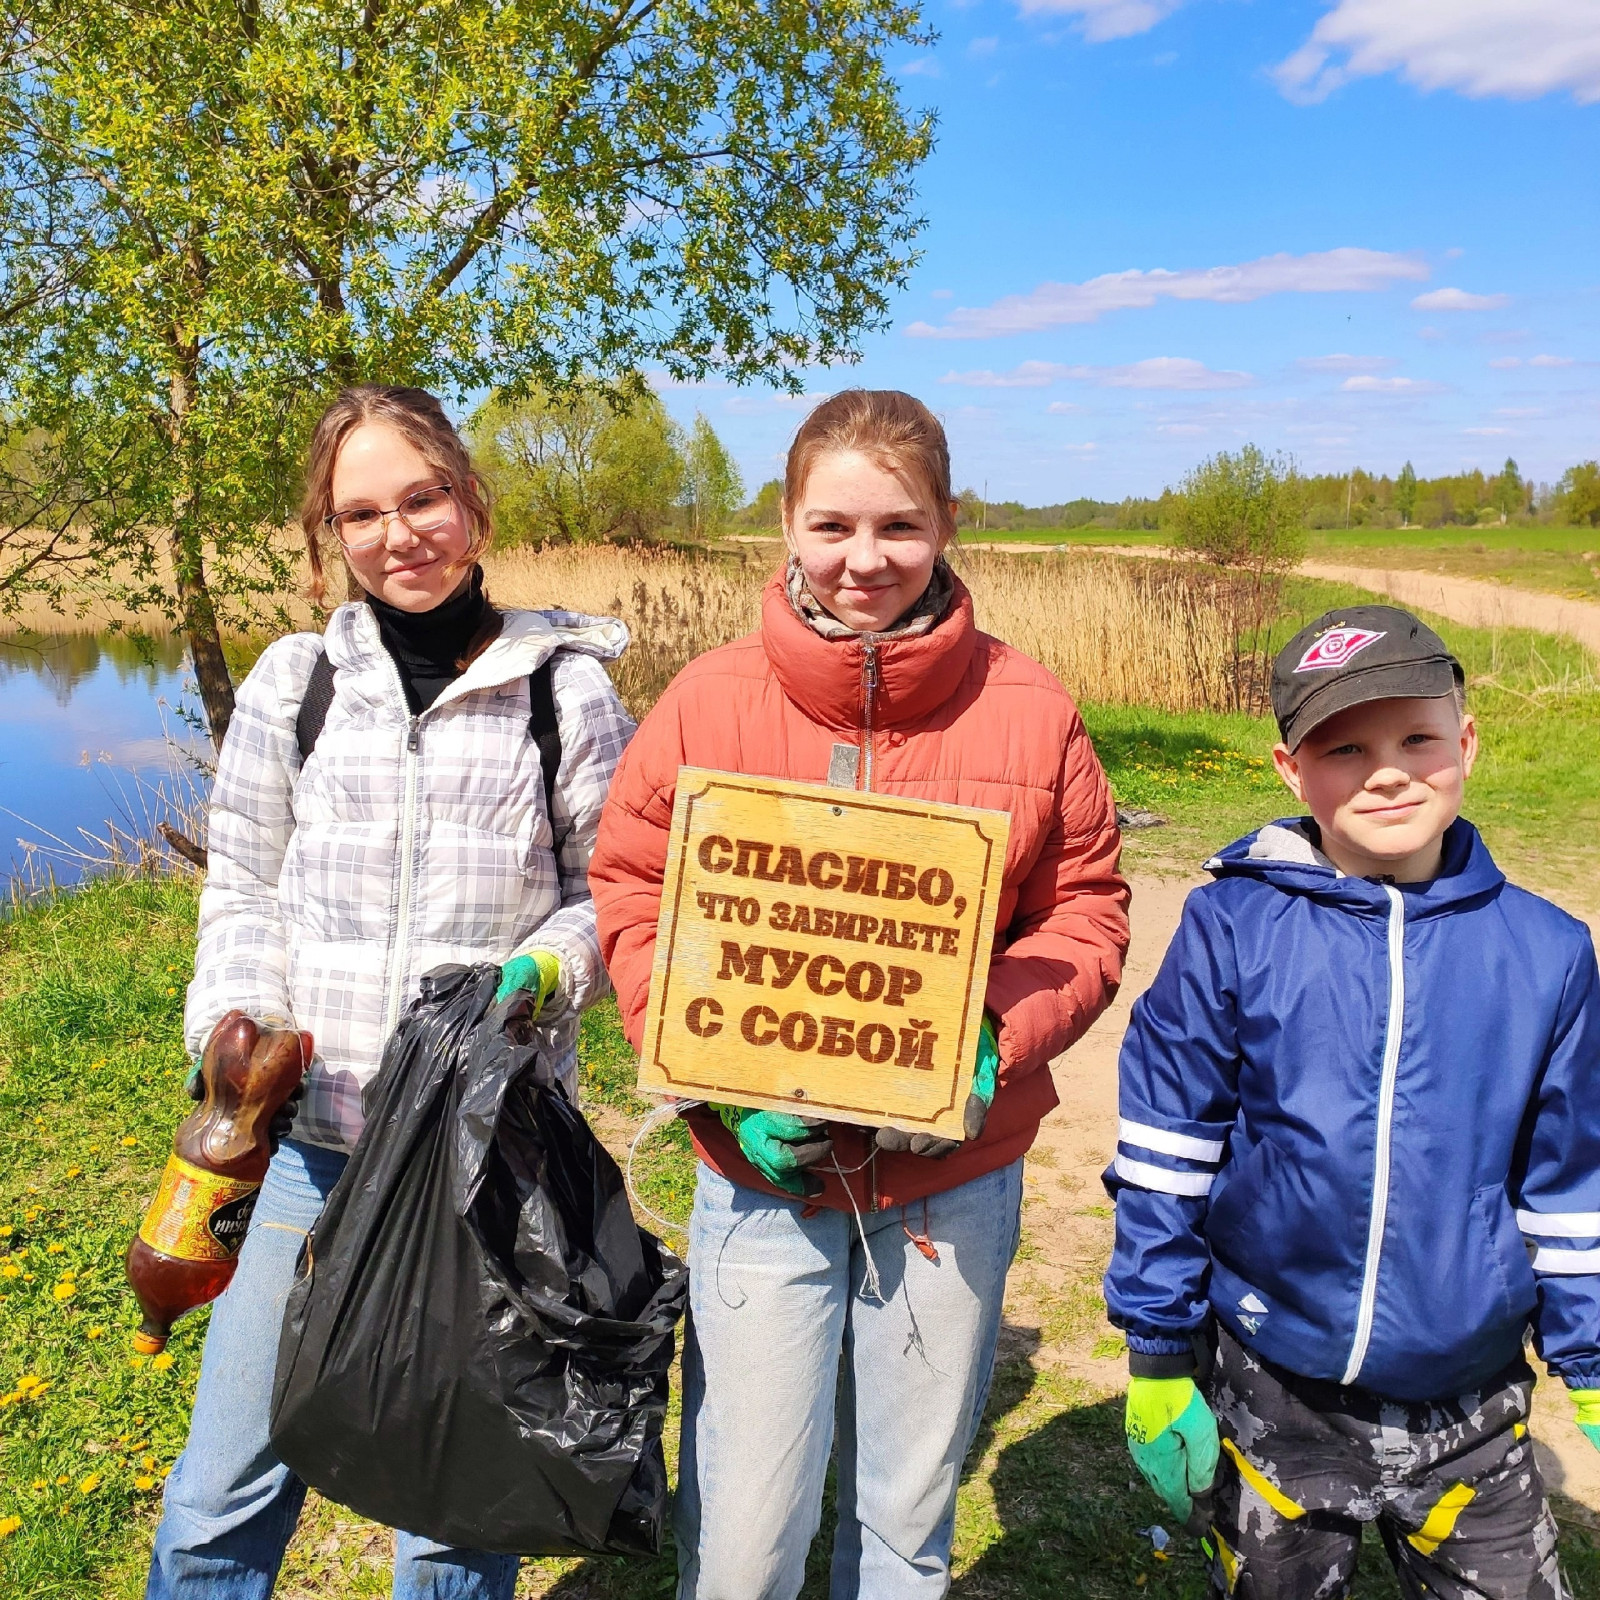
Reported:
(1473, 601)
(1069, 1222)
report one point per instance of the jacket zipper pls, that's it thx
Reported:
(408, 831)
(869, 697)
(1380, 1175)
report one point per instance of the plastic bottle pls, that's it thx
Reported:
(187, 1247)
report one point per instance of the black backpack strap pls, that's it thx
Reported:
(314, 707)
(545, 731)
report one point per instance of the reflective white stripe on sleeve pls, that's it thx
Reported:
(1143, 1175)
(1560, 1224)
(1168, 1144)
(1565, 1263)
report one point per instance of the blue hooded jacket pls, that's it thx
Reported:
(1360, 1123)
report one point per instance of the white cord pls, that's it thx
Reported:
(871, 1283)
(657, 1118)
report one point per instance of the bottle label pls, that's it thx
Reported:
(198, 1216)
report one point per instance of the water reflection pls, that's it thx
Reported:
(96, 732)
(66, 660)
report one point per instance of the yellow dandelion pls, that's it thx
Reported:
(74, 1172)
(162, 1361)
(89, 1484)
(40, 1483)
(10, 1270)
(28, 1216)
(31, 1381)
(94, 1149)
(65, 1290)
(129, 1142)
(149, 1463)
(142, 1482)
(137, 1361)
(57, 1249)
(96, 1333)
(6, 1230)
(63, 1481)
(8, 1526)
(27, 1277)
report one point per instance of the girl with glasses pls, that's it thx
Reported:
(412, 831)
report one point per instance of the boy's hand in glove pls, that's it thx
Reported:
(781, 1147)
(1587, 1402)
(1172, 1438)
(984, 1079)
(538, 971)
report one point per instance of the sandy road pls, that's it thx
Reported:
(1066, 1208)
(1473, 601)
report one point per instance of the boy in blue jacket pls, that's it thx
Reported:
(1358, 1159)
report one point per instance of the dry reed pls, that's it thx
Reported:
(1127, 632)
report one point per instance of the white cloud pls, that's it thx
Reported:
(1062, 408)
(941, 294)
(1367, 384)
(1344, 363)
(1550, 361)
(920, 67)
(1100, 20)
(1158, 372)
(983, 47)
(1517, 49)
(1430, 333)
(1519, 411)
(1487, 433)
(1344, 271)
(1459, 300)
(1506, 362)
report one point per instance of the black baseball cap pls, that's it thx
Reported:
(1355, 654)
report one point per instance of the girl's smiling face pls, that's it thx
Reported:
(1384, 780)
(377, 467)
(863, 540)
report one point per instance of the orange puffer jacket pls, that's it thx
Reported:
(952, 715)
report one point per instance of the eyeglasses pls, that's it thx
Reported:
(421, 511)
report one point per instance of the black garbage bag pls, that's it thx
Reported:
(477, 1345)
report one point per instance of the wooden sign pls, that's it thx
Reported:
(822, 951)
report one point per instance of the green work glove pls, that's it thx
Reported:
(538, 971)
(780, 1147)
(1172, 1438)
(984, 1078)
(1587, 1403)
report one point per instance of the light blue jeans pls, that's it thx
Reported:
(230, 1504)
(786, 1350)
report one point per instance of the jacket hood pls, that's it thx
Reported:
(524, 642)
(1285, 855)
(823, 677)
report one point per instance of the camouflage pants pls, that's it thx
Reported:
(1451, 1484)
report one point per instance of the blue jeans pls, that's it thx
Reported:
(786, 1348)
(230, 1505)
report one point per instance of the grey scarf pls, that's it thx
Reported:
(921, 618)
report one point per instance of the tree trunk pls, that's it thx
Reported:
(200, 628)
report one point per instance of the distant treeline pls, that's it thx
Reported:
(1357, 499)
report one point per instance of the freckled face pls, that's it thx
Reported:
(1384, 781)
(376, 468)
(865, 544)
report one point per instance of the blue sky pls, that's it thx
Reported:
(1354, 230)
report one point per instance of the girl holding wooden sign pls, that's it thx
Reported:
(812, 1241)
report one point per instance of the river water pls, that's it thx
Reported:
(94, 740)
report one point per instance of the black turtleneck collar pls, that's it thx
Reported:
(428, 646)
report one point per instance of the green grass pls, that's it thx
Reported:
(1132, 537)
(1557, 560)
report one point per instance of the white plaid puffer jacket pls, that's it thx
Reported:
(406, 842)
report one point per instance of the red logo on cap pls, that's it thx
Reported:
(1336, 647)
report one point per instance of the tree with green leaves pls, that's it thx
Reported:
(1578, 495)
(712, 486)
(766, 510)
(1509, 493)
(215, 213)
(1245, 512)
(575, 468)
(1405, 493)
